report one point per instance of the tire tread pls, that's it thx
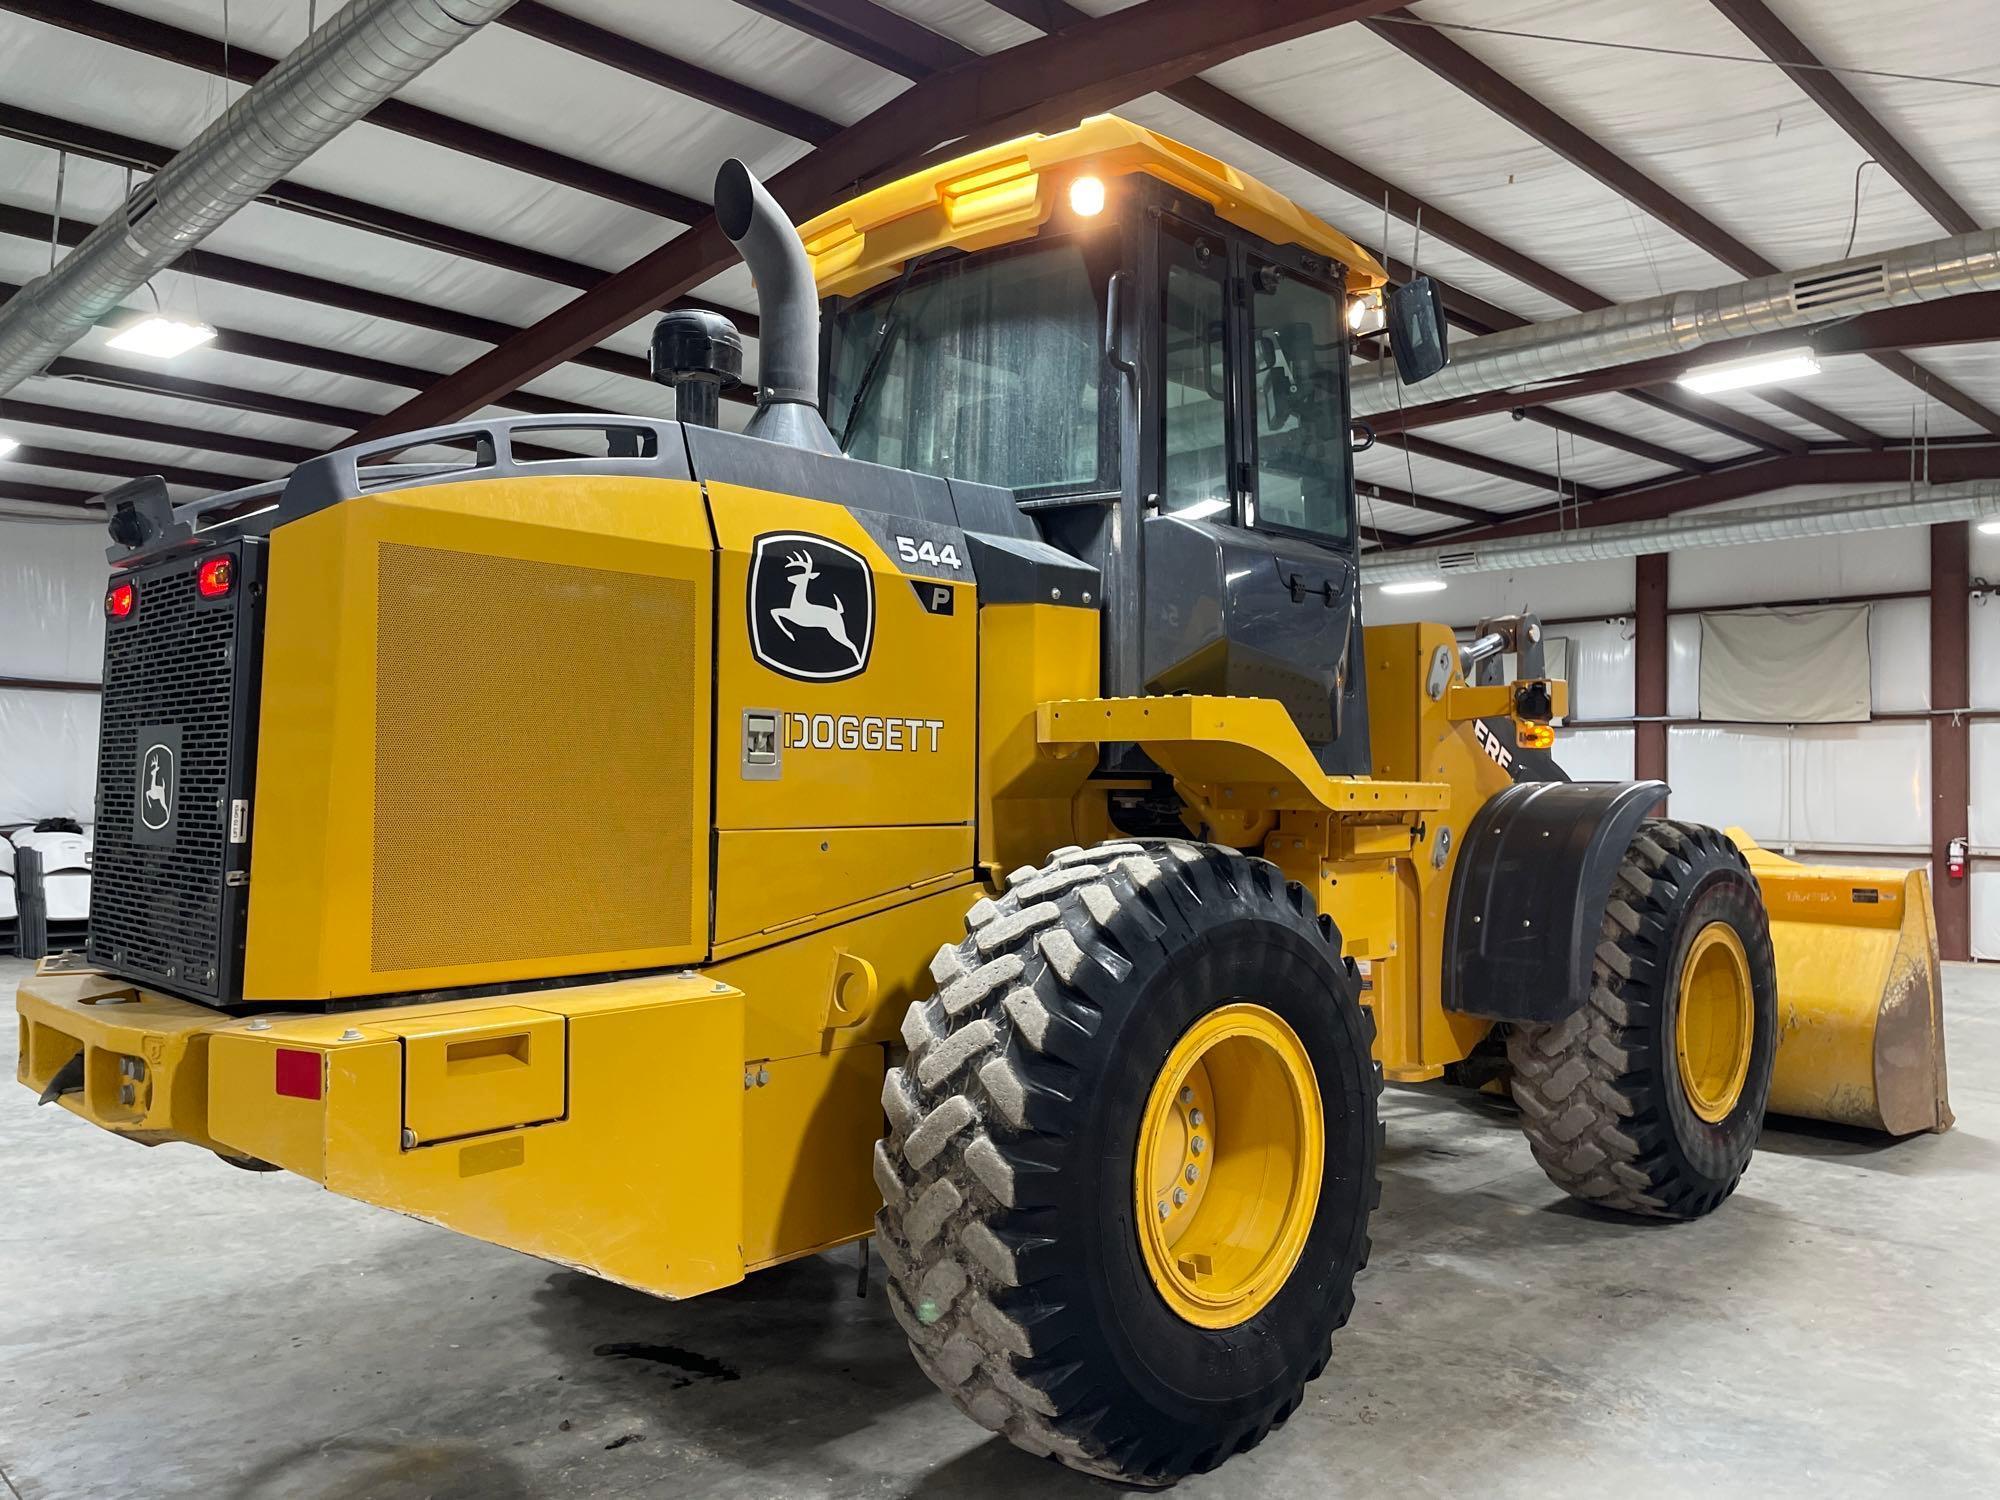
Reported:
(961, 1232)
(1585, 1085)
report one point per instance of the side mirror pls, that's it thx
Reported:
(1417, 330)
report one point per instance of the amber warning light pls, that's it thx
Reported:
(217, 577)
(1534, 736)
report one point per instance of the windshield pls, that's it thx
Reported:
(988, 371)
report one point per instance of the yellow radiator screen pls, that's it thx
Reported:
(533, 792)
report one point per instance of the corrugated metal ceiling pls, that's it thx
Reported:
(1730, 135)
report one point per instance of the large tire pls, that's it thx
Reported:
(1008, 1225)
(1601, 1094)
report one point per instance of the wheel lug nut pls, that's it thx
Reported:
(1194, 1117)
(1187, 1096)
(1197, 1145)
(1193, 1173)
(1163, 1210)
(1180, 1197)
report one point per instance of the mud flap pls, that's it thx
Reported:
(1529, 892)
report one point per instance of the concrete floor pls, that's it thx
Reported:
(171, 1326)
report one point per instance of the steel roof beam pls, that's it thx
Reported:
(1479, 463)
(1243, 119)
(296, 355)
(872, 32)
(1367, 489)
(45, 494)
(1594, 432)
(138, 33)
(1819, 416)
(1779, 43)
(128, 151)
(214, 393)
(1668, 497)
(1381, 536)
(159, 383)
(1240, 118)
(1045, 82)
(1717, 418)
(168, 434)
(1518, 107)
(76, 462)
(331, 361)
(1973, 319)
(674, 74)
(278, 282)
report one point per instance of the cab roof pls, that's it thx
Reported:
(1008, 192)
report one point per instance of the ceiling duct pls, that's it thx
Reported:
(366, 52)
(1882, 510)
(1680, 322)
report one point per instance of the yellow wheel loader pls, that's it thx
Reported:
(964, 808)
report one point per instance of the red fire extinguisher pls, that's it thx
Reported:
(1954, 859)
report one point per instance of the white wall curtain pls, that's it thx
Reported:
(1786, 666)
(52, 578)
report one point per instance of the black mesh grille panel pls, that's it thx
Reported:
(173, 760)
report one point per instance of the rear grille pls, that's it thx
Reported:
(177, 733)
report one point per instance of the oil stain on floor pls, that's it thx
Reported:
(685, 1366)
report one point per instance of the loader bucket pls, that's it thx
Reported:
(1860, 1011)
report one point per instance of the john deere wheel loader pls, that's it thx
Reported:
(992, 830)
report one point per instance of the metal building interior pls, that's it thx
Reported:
(1751, 532)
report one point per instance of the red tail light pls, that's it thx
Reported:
(217, 577)
(121, 601)
(301, 1074)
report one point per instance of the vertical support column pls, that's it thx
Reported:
(1951, 734)
(1649, 667)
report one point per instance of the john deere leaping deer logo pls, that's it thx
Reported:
(812, 607)
(156, 795)
(154, 806)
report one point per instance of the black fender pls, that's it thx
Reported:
(1529, 892)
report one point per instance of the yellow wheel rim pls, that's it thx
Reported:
(1716, 1022)
(1227, 1172)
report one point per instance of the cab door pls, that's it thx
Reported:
(1251, 570)
(1297, 476)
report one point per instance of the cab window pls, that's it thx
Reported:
(982, 367)
(1194, 405)
(1298, 350)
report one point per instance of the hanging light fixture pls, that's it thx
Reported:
(1741, 374)
(161, 337)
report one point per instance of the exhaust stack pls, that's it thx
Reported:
(788, 312)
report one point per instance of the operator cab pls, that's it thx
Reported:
(1150, 351)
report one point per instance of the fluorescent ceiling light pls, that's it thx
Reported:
(1991, 528)
(1762, 369)
(1413, 586)
(161, 338)
(7, 445)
